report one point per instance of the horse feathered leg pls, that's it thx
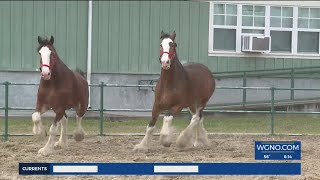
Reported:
(166, 131)
(38, 128)
(48, 148)
(144, 144)
(186, 137)
(201, 134)
(62, 143)
(79, 132)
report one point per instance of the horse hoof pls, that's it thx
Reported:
(165, 140)
(166, 144)
(59, 145)
(79, 135)
(140, 148)
(45, 151)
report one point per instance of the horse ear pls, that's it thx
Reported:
(51, 40)
(173, 35)
(39, 40)
(161, 34)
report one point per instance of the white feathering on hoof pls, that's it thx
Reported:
(79, 133)
(166, 133)
(186, 138)
(202, 135)
(144, 144)
(38, 128)
(62, 143)
(48, 148)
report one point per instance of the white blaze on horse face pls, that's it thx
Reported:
(45, 56)
(165, 60)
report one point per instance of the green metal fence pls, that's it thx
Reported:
(102, 109)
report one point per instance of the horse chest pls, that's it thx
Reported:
(170, 99)
(54, 96)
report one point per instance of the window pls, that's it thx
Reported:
(225, 39)
(293, 30)
(308, 30)
(280, 41)
(253, 16)
(281, 26)
(308, 42)
(281, 17)
(225, 24)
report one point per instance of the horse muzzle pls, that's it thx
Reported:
(46, 76)
(165, 66)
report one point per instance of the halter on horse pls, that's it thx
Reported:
(59, 89)
(180, 86)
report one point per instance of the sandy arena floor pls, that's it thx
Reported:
(223, 148)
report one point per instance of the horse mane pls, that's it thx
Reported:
(165, 35)
(82, 73)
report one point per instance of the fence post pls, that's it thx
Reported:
(292, 84)
(272, 110)
(101, 108)
(244, 91)
(6, 110)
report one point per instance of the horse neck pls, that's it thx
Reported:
(59, 71)
(176, 73)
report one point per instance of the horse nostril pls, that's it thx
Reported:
(49, 73)
(167, 62)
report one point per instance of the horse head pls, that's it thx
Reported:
(48, 57)
(167, 49)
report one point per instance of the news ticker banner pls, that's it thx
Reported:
(277, 150)
(160, 168)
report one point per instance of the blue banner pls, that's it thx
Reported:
(277, 150)
(160, 168)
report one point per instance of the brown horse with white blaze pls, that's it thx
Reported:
(59, 89)
(180, 86)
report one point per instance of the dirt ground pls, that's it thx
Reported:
(223, 148)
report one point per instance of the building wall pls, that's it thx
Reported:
(125, 36)
(22, 22)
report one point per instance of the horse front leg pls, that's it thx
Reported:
(201, 134)
(48, 148)
(38, 128)
(144, 144)
(166, 133)
(62, 142)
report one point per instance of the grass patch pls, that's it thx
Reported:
(284, 124)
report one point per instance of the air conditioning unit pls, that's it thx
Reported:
(251, 43)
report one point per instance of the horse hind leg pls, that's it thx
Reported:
(62, 143)
(78, 133)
